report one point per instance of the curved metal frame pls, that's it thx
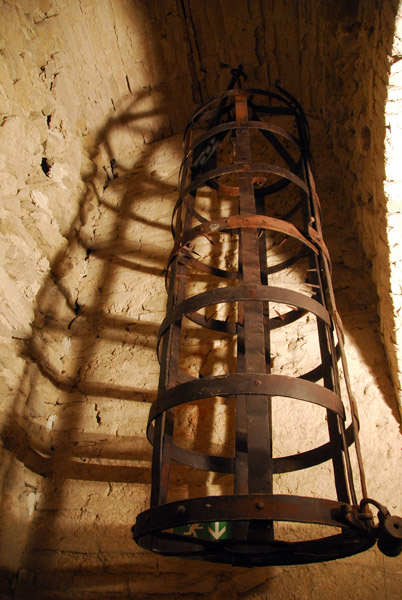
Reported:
(253, 508)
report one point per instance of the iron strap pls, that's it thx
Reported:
(232, 125)
(226, 274)
(243, 293)
(242, 167)
(275, 507)
(225, 464)
(288, 109)
(257, 384)
(242, 222)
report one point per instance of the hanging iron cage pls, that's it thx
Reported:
(249, 271)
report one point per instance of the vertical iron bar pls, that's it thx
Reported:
(258, 422)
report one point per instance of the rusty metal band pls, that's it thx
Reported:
(280, 148)
(287, 110)
(260, 167)
(318, 373)
(316, 209)
(352, 402)
(245, 553)
(340, 335)
(313, 375)
(232, 327)
(233, 191)
(205, 268)
(299, 509)
(292, 211)
(243, 293)
(253, 413)
(206, 117)
(240, 168)
(258, 191)
(164, 426)
(317, 239)
(283, 464)
(257, 384)
(199, 217)
(237, 222)
(214, 324)
(285, 319)
(309, 458)
(242, 222)
(233, 125)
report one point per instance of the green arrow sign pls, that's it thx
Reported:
(216, 530)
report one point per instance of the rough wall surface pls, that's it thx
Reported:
(362, 111)
(86, 89)
(391, 302)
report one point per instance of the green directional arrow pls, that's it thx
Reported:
(216, 530)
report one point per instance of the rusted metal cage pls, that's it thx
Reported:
(247, 216)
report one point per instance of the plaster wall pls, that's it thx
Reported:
(91, 97)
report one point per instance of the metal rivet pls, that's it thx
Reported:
(259, 504)
(181, 511)
(257, 382)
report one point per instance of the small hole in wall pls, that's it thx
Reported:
(45, 166)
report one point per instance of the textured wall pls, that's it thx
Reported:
(86, 90)
(361, 112)
(391, 301)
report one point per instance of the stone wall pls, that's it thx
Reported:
(65, 88)
(361, 113)
(391, 301)
(86, 91)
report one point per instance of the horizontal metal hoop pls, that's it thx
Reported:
(241, 293)
(150, 530)
(257, 384)
(224, 464)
